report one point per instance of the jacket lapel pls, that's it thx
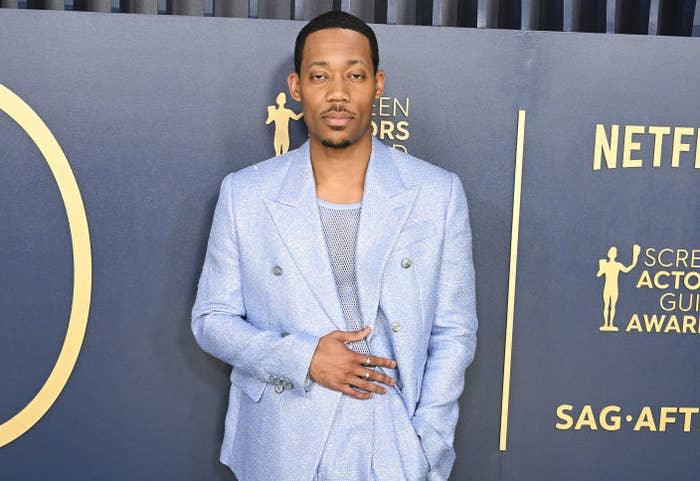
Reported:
(386, 204)
(295, 213)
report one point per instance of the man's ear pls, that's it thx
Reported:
(294, 87)
(379, 83)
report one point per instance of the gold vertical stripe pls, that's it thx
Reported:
(515, 227)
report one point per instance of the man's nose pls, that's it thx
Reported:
(338, 90)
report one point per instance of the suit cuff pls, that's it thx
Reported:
(296, 360)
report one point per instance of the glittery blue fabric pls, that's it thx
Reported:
(267, 294)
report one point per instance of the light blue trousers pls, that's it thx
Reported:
(372, 440)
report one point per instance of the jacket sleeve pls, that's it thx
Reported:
(452, 340)
(219, 320)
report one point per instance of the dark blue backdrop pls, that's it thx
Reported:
(153, 112)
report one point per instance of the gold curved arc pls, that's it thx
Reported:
(36, 129)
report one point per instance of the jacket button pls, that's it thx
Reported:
(277, 270)
(406, 263)
(395, 326)
(279, 388)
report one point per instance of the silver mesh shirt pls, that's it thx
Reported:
(340, 224)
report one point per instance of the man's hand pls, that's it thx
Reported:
(338, 367)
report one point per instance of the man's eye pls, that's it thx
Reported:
(357, 76)
(318, 76)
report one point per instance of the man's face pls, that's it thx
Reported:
(337, 86)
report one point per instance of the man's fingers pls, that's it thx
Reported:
(361, 383)
(367, 385)
(346, 389)
(375, 361)
(349, 336)
(373, 376)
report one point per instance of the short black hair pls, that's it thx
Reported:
(335, 19)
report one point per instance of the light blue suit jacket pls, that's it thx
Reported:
(267, 294)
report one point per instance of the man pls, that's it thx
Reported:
(338, 283)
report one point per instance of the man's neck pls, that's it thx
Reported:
(340, 173)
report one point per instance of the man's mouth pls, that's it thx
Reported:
(337, 119)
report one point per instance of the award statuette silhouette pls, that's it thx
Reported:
(280, 115)
(611, 268)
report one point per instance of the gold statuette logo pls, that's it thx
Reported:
(610, 268)
(280, 115)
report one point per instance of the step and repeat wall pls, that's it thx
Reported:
(580, 156)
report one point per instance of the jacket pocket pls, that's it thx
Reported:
(415, 457)
(250, 386)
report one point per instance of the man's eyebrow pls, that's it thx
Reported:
(325, 63)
